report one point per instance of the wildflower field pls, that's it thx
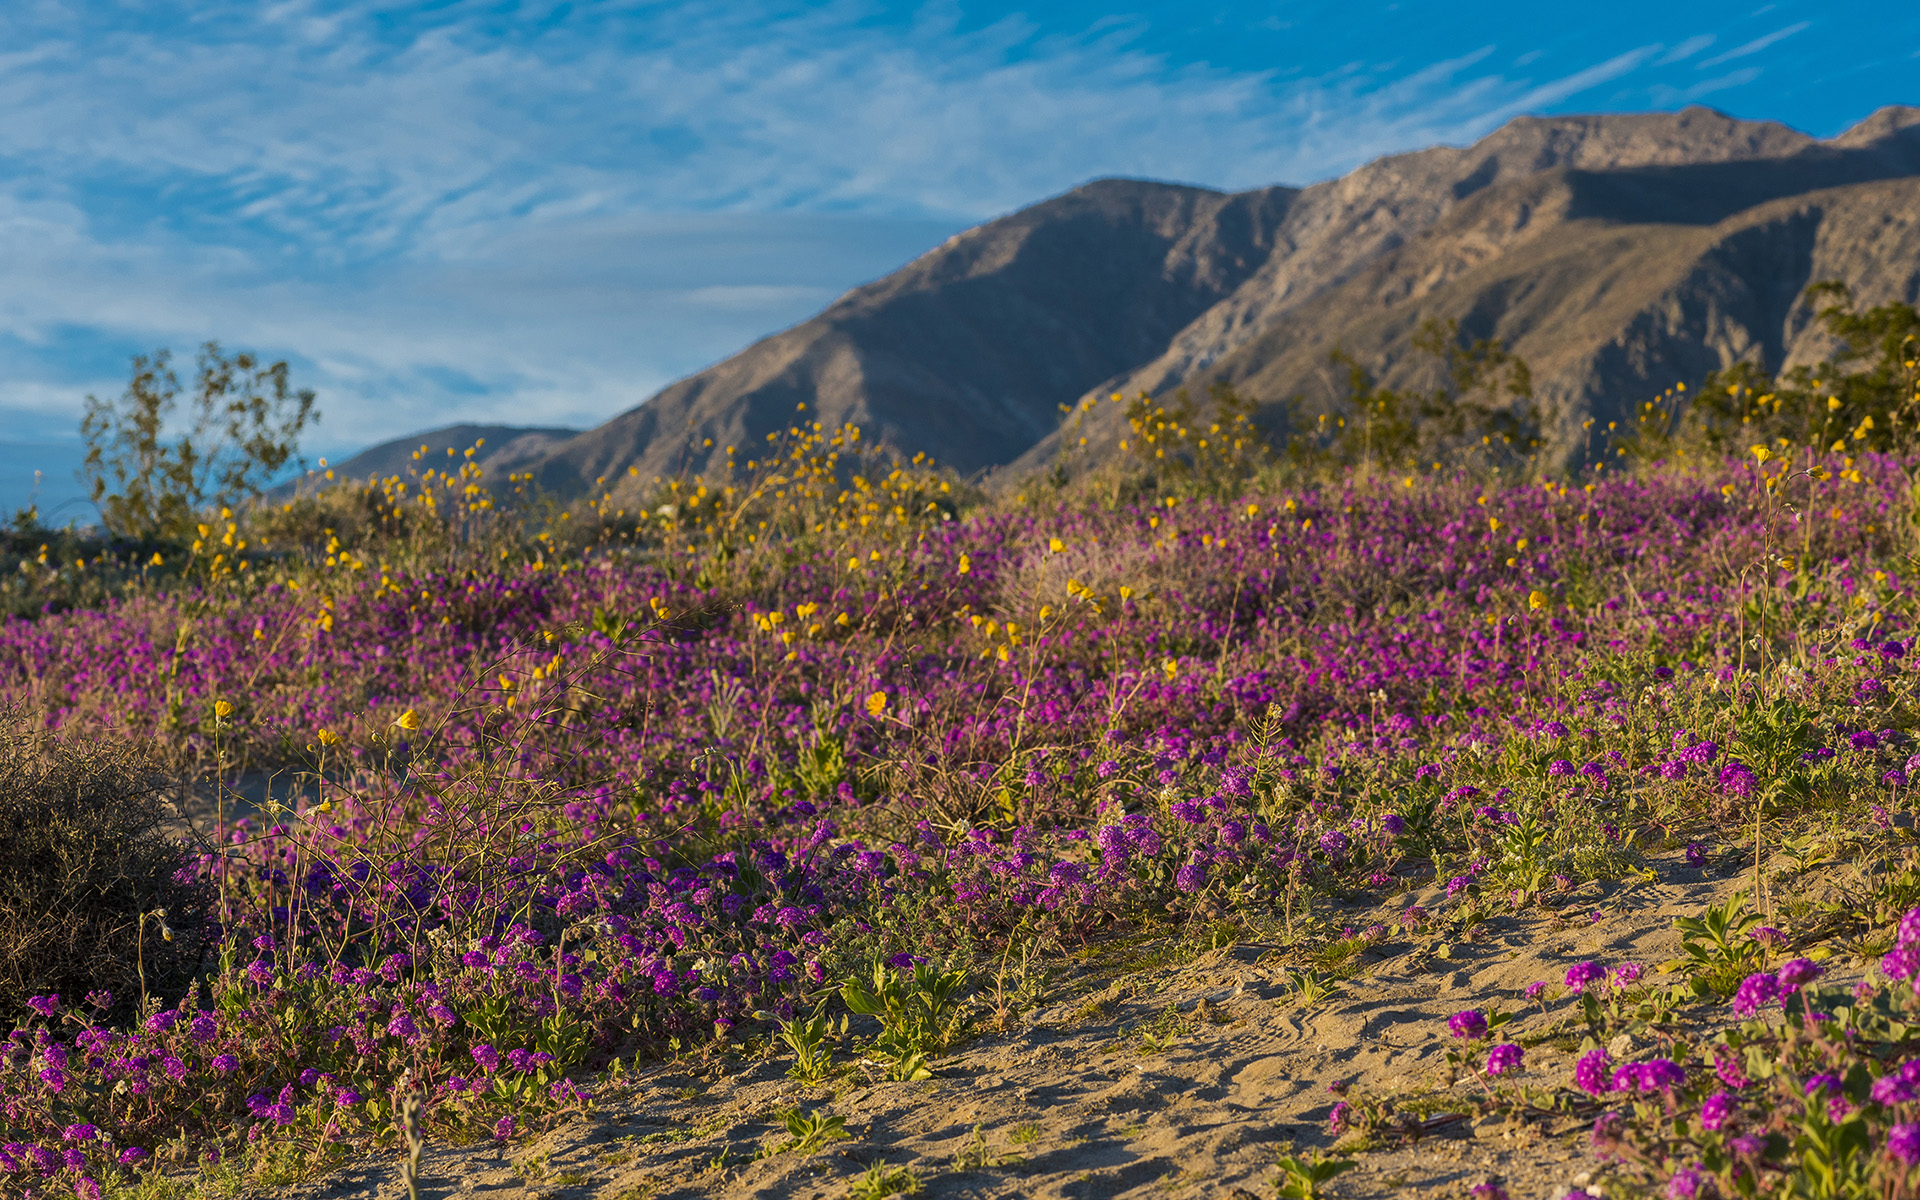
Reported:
(499, 809)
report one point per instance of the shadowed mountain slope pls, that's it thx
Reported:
(968, 351)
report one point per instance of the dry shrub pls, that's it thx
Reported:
(83, 853)
(1041, 575)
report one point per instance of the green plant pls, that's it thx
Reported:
(812, 1055)
(243, 429)
(531, 1166)
(1022, 987)
(1719, 952)
(1863, 398)
(1158, 1035)
(414, 1131)
(807, 1134)
(918, 1010)
(1211, 448)
(1301, 1178)
(1308, 989)
(1482, 408)
(881, 1180)
(1523, 858)
(977, 1155)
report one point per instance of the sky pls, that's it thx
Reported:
(541, 213)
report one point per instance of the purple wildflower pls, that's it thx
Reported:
(1798, 972)
(1903, 1142)
(1590, 1073)
(1504, 1058)
(1717, 1109)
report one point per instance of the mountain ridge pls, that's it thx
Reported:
(972, 351)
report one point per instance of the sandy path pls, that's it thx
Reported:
(1076, 1104)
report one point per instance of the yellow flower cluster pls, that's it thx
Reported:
(826, 490)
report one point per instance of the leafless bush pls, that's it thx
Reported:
(83, 856)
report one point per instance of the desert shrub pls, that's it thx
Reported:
(1480, 413)
(1211, 449)
(1862, 400)
(83, 855)
(243, 428)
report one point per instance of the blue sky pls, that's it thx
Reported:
(542, 212)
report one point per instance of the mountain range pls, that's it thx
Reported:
(1617, 254)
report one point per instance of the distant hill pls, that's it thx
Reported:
(1618, 254)
(504, 449)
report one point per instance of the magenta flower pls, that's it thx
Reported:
(1688, 1183)
(1590, 1073)
(1581, 974)
(1717, 1109)
(1756, 992)
(1653, 1075)
(1798, 972)
(1903, 1142)
(1726, 1064)
(1738, 780)
(1468, 1023)
(1504, 1058)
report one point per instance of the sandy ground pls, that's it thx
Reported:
(1076, 1101)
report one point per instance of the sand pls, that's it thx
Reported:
(1073, 1100)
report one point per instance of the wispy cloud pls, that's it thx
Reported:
(1686, 49)
(1755, 46)
(490, 210)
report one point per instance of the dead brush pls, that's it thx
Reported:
(1043, 575)
(94, 895)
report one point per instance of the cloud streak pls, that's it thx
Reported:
(1755, 46)
(495, 211)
